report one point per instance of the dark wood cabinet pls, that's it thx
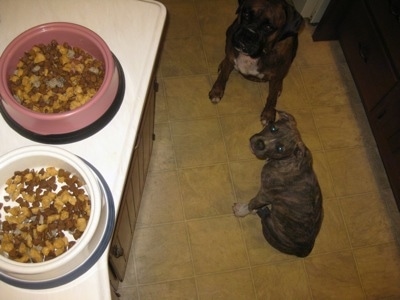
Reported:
(369, 34)
(129, 207)
(366, 55)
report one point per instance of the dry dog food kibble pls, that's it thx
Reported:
(45, 212)
(56, 78)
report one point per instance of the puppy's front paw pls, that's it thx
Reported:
(240, 209)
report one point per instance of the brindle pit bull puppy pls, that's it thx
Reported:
(289, 201)
(261, 44)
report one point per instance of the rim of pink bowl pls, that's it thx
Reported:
(37, 30)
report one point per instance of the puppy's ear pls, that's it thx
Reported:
(300, 150)
(294, 22)
(302, 155)
(280, 114)
(240, 6)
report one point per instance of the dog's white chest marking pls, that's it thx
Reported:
(248, 66)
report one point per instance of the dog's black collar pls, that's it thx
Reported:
(281, 38)
(286, 35)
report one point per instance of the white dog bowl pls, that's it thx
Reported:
(74, 261)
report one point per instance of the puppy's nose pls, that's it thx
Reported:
(259, 145)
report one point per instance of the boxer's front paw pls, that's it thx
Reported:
(240, 209)
(215, 95)
(267, 116)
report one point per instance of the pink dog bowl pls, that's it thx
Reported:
(60, 127)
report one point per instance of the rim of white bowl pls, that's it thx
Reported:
(93, 189)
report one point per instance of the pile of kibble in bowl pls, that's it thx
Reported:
(43, 214)
(56, 78)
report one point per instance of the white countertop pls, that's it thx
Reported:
(132, 29)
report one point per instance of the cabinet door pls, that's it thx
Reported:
(386, 14)
(365, 54)
(127, 214)
(130, 197)
(145, 146)
(114, 281)
(386, 126)
(137, 188)
(148, 128)
(134, 185)
(121, 242)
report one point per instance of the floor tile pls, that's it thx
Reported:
(379, 268)
(162, 253)
(161, 202)
(216, 16)
(241, 96)
(322, 170)
(285, 280)
(337, 126)
(216, 245)
(184, 289)
(333, 235)
(317, 53)
(246, 176)
(128, 293)
(214, 48)
(293, 96)
(306, 126)
(330, 85)
(352, 171)
(187, 98)
(178, 60)
(182, 19)
(334, 276)
(206, 191)
(367, 220)
(258, 249)
(237, 130)
(163, 155)
(236, 285)
(198, 142)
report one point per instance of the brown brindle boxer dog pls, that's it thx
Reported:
(261, 44)
(289, 201)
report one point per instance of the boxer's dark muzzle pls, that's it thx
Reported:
(248, 40)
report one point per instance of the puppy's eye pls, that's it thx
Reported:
(280, 148)
(273, 128)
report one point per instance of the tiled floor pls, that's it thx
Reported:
(189, 245)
